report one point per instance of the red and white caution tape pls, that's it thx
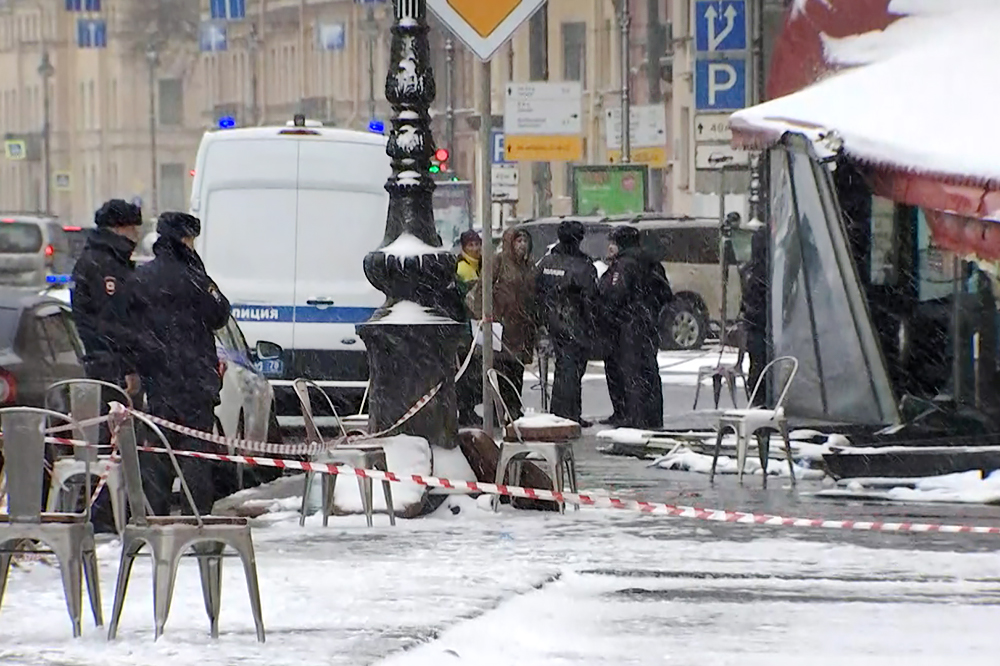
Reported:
(711, 515)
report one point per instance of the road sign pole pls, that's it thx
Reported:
(449, 99)
(626, 21)
(486, 180)
(153, 59)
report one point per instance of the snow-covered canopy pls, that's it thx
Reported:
(918, 97)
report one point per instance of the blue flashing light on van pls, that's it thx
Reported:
(376, 126)
(227, 122)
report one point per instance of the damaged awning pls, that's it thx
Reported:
(918, 103)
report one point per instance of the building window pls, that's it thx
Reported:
(172, 187)
(574, 49)
(171, 102)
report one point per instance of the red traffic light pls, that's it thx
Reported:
(441, 155)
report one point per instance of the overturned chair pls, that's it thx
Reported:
(70, 536)
(85, 398)
(361, 455)
(168, 537)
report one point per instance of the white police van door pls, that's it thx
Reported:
(248, 240)
(342, 207)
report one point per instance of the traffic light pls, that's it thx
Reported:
(439, 162)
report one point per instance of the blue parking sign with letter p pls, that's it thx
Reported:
(497, 141)
(721, 85)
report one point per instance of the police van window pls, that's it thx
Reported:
(20, 238)
(698, 245)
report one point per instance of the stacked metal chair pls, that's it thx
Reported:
(361, 455)
(168, 537)
(85, 405)
(70, 536)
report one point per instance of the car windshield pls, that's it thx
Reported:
(20, 238)
(9, 319)
(544, 236)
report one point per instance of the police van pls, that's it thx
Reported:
(288, 214)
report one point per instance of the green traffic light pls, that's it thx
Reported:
(435, 168)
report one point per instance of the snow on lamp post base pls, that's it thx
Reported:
(413, 338)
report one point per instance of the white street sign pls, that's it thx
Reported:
(484, 25)
(543, 109)
(712, 128)
(505, 181)
(707, 156)
(647, 127)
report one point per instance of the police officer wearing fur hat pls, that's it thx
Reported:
(633, 293)
(99, 279)
(177, 308)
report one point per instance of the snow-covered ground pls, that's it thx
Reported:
(962, 488)
(590, 587)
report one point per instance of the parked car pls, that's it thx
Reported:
(39, 346)
(247, 399)
(690, 251)
(32, 248)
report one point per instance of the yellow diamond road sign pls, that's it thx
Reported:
(484, 25)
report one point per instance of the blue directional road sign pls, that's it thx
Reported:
(331, 36)
(720, 25)
(228, 10)
(720, 85)
(212, 37)
(91, 33)
(496, 140)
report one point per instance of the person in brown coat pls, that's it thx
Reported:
(515, 309)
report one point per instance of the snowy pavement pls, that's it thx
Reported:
(591, 587)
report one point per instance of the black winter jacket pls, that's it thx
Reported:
(566, 288)
(635, 290)
(100, 281)
(177, 309)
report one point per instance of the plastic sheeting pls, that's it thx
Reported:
(818, 313)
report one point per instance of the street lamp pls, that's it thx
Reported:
(46, 70)
(153, 59)
(412, 340)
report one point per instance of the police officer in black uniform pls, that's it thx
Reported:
(178, 308)
(635, 292)
(100, 279)
(566, 287)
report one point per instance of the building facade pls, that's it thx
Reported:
(126, 114)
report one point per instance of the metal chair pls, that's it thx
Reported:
(751, 421)
(168, 537)
(85, 397)
(69, 536)
(560, 462)
(364, 456)
(724, 372)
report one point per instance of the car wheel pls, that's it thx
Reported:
(684, 327)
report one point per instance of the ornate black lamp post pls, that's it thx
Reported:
(412, 339)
